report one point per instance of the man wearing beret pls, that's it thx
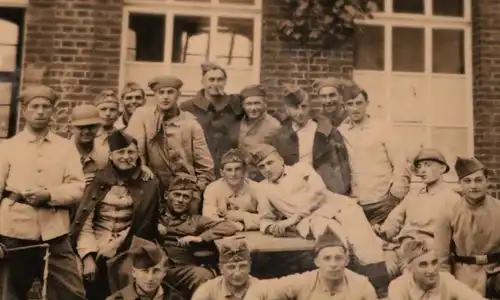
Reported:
(40, 177)
(467, 238)
(133, 97)
(313, 141)
(423, 281)
(183, 235)
(149, 266)
(171, 141)
(415, 217)
(233, 197)
(108, 105)
(299, 202)
(331, 280)
(235, 265)
(330, 92)
(218, 113)
(380, 171)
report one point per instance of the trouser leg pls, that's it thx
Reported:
(99, 288)
(493, 286)
(376, 213)
(187, 278)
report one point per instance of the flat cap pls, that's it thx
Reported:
(259, 152)
(209, 66)
(328, 239)
(145, 254)
(106, 96)
(294, 95)
(413, 249)
(183, 183)
(118, 139)
(432, 155)
(318, 84)
(131, 87)
(254, 90)
(233, 250)
(166, 81)
(467, 166)
(38, 91)
(84, 115)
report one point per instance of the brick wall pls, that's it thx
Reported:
(486, 66)
(282, 62)
(73, 46)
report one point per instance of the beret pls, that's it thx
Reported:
(118, 139)
(233, 250)
(166, 81)
(106, 96)
(431, 154)
(84, 115)
(294, 95)
(255, 90)
(36, 91)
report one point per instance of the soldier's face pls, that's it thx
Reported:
(236, 273)
(86, 134)
(331, 262)
(132, 100)
(429, 171)
(300, 114)
(125, 158)
(167, 98)
(214, 82)
(179, 200)
(356, 108)
(149, 280)
(425, 270)
(272, 167)
(254, 107)
(330, 98)
(109, 113)
(474, 186)
(38, 112)
(233, 173)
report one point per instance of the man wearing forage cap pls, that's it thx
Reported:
(149, 265)
(424, 281)
(40, 176)
(218, 113)
(415, 217)
(312, 140)
(330, 92)
(171, 141)
(108, 105)
(331, 279)
(298, 201)
(467, 240)
(133, 96)
(235, 265)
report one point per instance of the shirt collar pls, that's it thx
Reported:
(30, 137)
(418, 292)
(228, 294)
(228, 192)
(325, 289)
(202, 102)
(367, 122)
(436, 189)
(130, 293)
(308, 125)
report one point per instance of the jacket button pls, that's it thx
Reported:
(94, 197)
(77, 222)
(85, 210)
(102, 187)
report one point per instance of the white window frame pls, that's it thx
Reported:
(388, 19)
(213, 10)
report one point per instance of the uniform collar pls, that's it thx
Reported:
(130, 293)
(228, 191)
(436, 189)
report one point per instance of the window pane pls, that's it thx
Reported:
(191, 39)
(5, 93)
(142, 73)
(408, 6)
(449, 94)
(191, 75)
(408, 98)
(4, 121)
(407, 49)
(146, 37)
(234, 42)
(8, 60)
(409, 146)
(10, 32)
(448, 51)
(450, 8)
(244, 2)
(369, 48)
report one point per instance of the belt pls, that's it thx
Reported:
(478, 259)
(16, 197)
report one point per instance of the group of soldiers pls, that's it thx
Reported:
(131, 205)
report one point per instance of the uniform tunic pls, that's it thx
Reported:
(471, 228)
(258, 131)
(308, 286)
(216, 289)
(219, 198)
(448, 288)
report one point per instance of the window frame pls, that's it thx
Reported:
(171, 8)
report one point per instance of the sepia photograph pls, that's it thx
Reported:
(249, 149)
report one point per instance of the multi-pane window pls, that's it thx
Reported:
(413, 58)
(176, 36)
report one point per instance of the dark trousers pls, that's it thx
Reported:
(187, 278)
(493, 286)
(377, 212)
(19, 270)
(99, 288)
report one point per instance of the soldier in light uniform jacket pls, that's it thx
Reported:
(330, 281)
(133, 97)
(467, 236)
(423, 281)
(40, 177)
(235, 265)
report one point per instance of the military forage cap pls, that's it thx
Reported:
(328, 239)
(259, 152)
(166, 81)
(36, 91)
(432, 155)
(467, 166)
(85, 115)
(324, 82)
(233, 156)
(131, 87)
(183, 183)
(209, 66)
(233, 250)
(294, 95)
(145, 254)
(118, 140)
(106, 96)
(255, 90)
(413, 249)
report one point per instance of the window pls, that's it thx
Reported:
(413, 59)
(176, 36)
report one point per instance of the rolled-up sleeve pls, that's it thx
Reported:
(210, 207)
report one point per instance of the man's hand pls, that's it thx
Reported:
(37, 197)
(185, 241)
(89, 268)
(147, 174)
(89, 178)
(277, 230)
